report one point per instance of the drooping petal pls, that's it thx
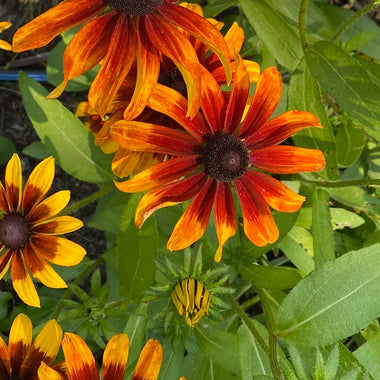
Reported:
(115, 357)
(38, 184)
(5, 361)
(148, 70)
(44, 348)
(20, 340)
(138, 136)
(169, 195)
(53, 22)
(285, 159)
(238, 97)
(42, 270)
(5, 261)
(22, 282)
(171, 103)
(80, 363)
(280, 128)
(149, 363)
(58, 226)
(266, 98)
(178, 48)
(259, 225)
(200, 28)
(193, 223)
(47, 373)
(13, 183)
(49, 207)
(58, 250)
(225, 216)
(159, 174)
(3, 200)
(115, 66)
(86, 49)
(275, 193)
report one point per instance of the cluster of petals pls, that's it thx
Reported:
(29, 228)
(125, 36)
(186, 176)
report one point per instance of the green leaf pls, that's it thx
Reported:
(271, 277)
(137, 251)
(172, 362)
(219, 346)
(350, 142)
(7, 148)
(332, 364)
(36, 150)
(369, 355)
(271, 27)
(213, 9)
(63, 135)
(253, 359)
(311, 314)
(348, 83)
(304, 94)
(322, 231)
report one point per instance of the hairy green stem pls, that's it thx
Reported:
(353, 18)
(350, 183)
(302, 24)
(273, 356)
(92, 198)
(244, 317)
(95, 264)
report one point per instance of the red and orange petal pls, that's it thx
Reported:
(50, 24)
(80, 363)
(115, 357)
(194, 219)
(149, 363)
(5, 261)
(5, 361)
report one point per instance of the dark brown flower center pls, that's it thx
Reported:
(225, 158)
(136, 7)
(14, 231)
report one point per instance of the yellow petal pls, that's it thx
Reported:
(47, 373)
(13, 182)
(149, 363)
(115, 357)
(58, 226)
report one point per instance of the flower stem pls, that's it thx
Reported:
(302, 24)
(244, 317)
(92, 198)
(353, 18)
(350, 183)
(95, 264)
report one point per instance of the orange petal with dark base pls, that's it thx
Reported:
(266, 98)
(115, 66)
(5, 261)
(225, 216)
(285, 159)
(80, 363)
(22, 282)
(159, 174)
(50, 24)
(138, 136)
(280, 128)
(193, 223)
(173, 104)
(169, 195)
(5, 361)
(174, 45)
(259, 225)
(86, 49)
(149, 363)
(3, 200)
(13, 183)
(58, 226)
(115, 357)
(275, 193)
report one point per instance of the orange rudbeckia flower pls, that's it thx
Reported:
(80, 363)
(119, 33)
(29, 227)
(22, 357)
(4, 44)
(220, 148)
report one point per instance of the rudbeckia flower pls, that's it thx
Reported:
(22, 357)
(29, 227)
(220, 148)
(119, 33)
(4, 44)
(80, 363)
